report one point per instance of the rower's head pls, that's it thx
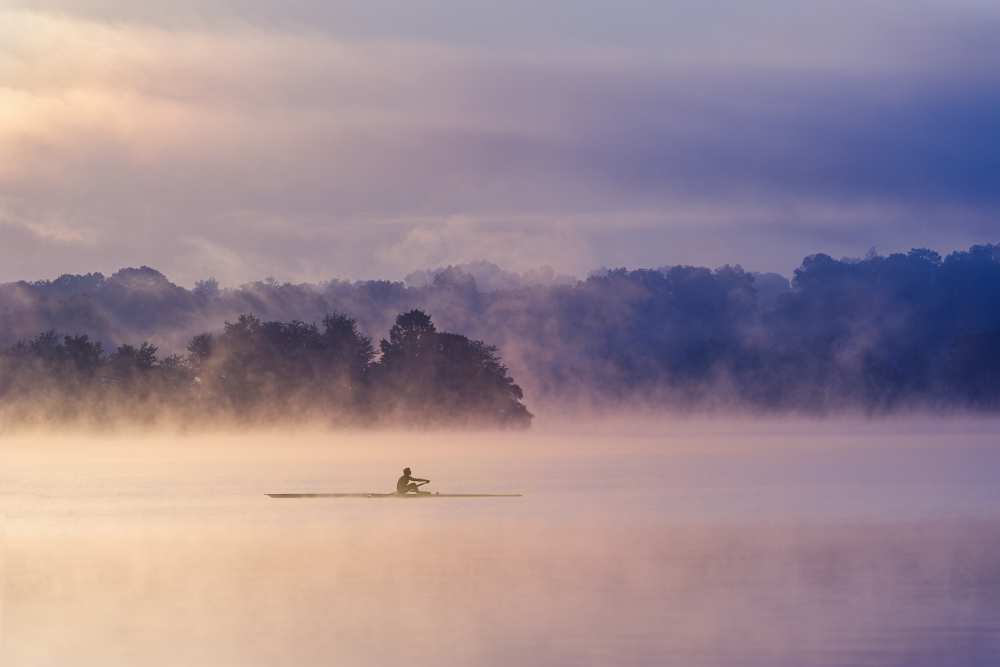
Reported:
(406, 471)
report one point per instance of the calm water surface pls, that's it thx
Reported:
(650, 543)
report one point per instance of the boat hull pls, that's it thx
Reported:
(394, 495)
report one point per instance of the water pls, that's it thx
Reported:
(636, 543)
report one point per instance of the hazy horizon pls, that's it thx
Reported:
(879, 334)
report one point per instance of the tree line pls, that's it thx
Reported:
(882, 333)
(257, 371)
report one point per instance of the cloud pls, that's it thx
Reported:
(188, 134)
(522, 246)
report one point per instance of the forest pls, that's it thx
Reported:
(879, 334)
(257, 372)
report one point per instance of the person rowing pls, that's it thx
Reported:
(410, 484)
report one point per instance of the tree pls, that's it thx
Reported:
(437, 377)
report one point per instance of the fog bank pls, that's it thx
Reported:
(882, 334)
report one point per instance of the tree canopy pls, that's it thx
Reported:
(256, 371)
(913, 330)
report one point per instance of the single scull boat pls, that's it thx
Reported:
(394, 495)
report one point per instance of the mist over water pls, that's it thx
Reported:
(750, 379)
(637, 542)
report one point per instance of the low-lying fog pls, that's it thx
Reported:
(637, 542)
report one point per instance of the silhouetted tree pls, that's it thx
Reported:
(444, 377)
(269, 368)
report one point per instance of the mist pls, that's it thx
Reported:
(482, 334)
(712, 542)
(876, 335)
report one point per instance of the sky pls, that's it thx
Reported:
(313, 139)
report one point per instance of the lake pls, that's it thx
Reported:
(638, 541)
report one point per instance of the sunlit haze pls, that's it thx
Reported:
(310, 140)
(496, 333)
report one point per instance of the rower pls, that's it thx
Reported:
(410, 484)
